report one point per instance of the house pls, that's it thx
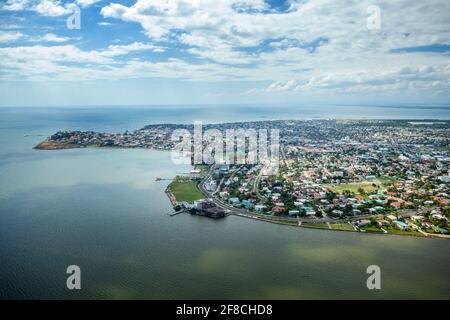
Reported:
(246, 203)
(397, 204)
(401, 225)
(362, 223)
(383, 223)
(260, 208)
(278, 209)
(427, 224)
(378, 209)
(224, 194)
(417, 218)
(391, 217)
(438, 216)
(294, 213)
(234, 201)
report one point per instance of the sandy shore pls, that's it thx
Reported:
(50, 145)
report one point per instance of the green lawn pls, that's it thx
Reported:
(185, 190)
(315, 225)
(371, 228)
(342, 226)
(394, 230)
(353, 187)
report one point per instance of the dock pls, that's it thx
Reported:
(176, 212)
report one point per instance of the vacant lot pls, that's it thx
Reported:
(354, 187)
(342, 226)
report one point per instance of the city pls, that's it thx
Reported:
(382, 176)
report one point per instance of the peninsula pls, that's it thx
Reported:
(381, 176)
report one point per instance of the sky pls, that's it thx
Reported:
(148, 52)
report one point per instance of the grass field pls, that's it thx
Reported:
(315, 225)
(353, 187)
(342, 226)
(397, 231)
(185, 190)
(371, 228)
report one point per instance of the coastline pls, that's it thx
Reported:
(51, 145)
(128, 141)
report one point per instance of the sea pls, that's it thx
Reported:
(104, 211)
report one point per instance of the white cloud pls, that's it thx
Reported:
(279, 86)
(51, 62)
(51, 37)
(317, 45)
(51, 8)
(86, 3)
(10, 36)
(15, 5)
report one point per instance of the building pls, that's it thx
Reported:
(260, 208)
(391, 217)
(293, 213)
(208, 209)
(278, 209)
(362, 223)
(401, 225)
(417, 218)
(247, 204)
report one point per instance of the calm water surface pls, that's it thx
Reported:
(103, 210)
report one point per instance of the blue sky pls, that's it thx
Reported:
(228, 51)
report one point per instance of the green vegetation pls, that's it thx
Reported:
(371, 228)
(394, 230)
(315, 225)
(184, 189)
(354, 187)
(342, 226)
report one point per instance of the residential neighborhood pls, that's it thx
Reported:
(386, 176)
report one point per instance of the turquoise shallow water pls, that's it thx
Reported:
(104, 211)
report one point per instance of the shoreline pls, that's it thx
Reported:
(429, 235)
(149, 138)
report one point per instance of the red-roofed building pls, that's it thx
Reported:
(278, 209)
(397, 204)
